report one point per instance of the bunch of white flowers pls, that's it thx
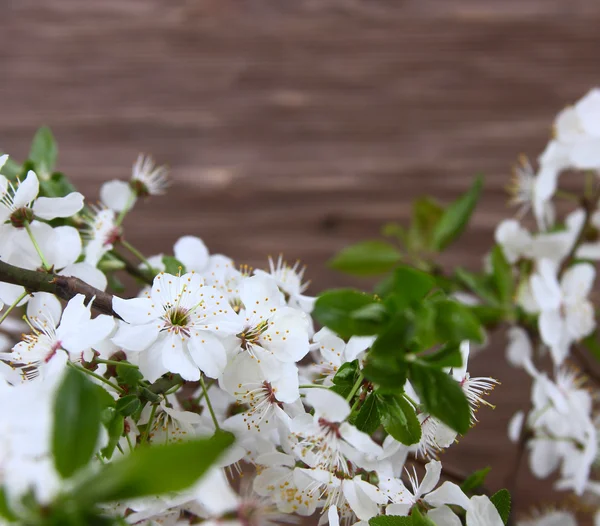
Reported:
(146, 407)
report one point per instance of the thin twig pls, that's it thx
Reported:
(62, 286)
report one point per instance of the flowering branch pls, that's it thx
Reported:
(62, 286)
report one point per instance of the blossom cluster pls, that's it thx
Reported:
(338, 405)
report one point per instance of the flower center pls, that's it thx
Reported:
(21, 216)
(330, 428)
(177, 320)
(250, 335)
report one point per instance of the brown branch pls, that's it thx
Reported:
(132, 270)
(62, 286)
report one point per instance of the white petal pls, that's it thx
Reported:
(176, 360)
(433, 470)
(585, 153)
(27, 190)
(448, 493)
(519, 348)
(515, 425)
(361, 504)
(151, 363)
(137, 310)
(398, 509)
(483, 513)
(444, 516)
(87, 273)
(286, 385)
(333, 517)
(545, 286)
(577, 282)
(208, 353)
(361, 441)
(88, 334)
(9, 293)
(116, 195)
(261, 294)
(328, 405)
(65, 248)
(192, 252)
(51, 207)
(136, 337)
(44, 307)
(580, 319)
(551, 326)
(544, 457)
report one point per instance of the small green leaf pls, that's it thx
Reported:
(475, 480)
(368, 419)
(76, 425)
(5, 512)
(128, 405)
(129, 376)
(56, 185)
(455, 322)
(592, 344)
(448, 356)
(115, 430)
(399, 418)
(442, 396)
(501, 499)
(477, 284)
(345, 378)
(173, 265)
(335, 309)
(503, 276)
(367, 258)
(11, 169)
(455, 218)
(488, 316)
(419, 519)
(390, 520)
(150, 471)
(410, 286)
(426, 214)
(394, 338)
(374, 312)
(44, 152)
(114, 283)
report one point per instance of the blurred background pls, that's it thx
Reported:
(300, 126)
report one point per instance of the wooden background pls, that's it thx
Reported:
(302, 125)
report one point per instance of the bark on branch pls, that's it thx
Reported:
(62, 286)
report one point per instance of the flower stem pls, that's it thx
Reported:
(128, 205)
(355, 387)
(36, 246)
(11, 307)
(114, 362)
(144, 438)
(97, 377)
(312, 386)
(210, 407)
(138, 255)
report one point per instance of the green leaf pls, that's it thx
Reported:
(129, 376)
(475, 480)
(592, 344)
(386, 372)
(128, 405)
(503, 276)
(114, 283)
(477, 284)
(448, 356)
(390, 520)
(335, 309)
(374, 312)
(11, 169)
(76, 425)
(455, 217)
(173, 265)
(410, 286)
(56, 185)
(455, 322)
(394, 338)
(419, 519)
(367, 258)
(426, 214)
(399, 418)
(442, 396)
(488, 316)
(44, 152)
(5, 512)
(345, 378)
(501, 499)
(115, 431)
(368, 419)
(153, 470)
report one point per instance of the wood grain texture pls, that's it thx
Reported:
(302, 126)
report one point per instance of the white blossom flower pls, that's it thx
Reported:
(176, 327)
(550, 517)
(516, 241)
(566, 313)
(56, 335)
(21, 203)
(101, 234)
